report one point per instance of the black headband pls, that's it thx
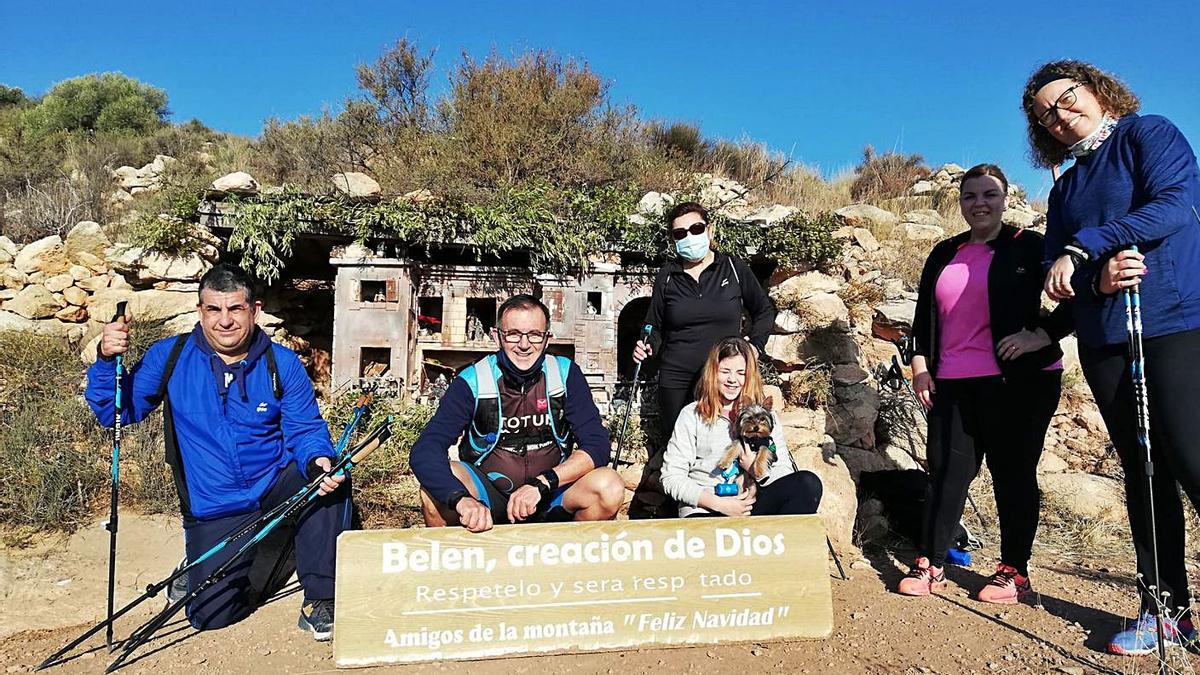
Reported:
(1048, 77)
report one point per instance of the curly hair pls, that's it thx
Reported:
(1114, 96)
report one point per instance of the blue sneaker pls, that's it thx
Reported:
(1142, 637)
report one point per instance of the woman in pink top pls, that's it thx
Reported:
(987, 367)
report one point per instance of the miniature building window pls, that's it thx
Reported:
(481, 317)
(594, 306)
(372, 291)
(374, 361)
(429, 317)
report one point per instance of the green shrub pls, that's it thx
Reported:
(107, 102)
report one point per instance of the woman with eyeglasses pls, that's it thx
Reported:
(1134, 182)
(988, 368)
(698, 298)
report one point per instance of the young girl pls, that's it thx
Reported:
(729, 382)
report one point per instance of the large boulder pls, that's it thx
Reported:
(86, 237)
(356, 184)
(839, 499)
(826, 309)
(831, 346)
(850, 418)
(9, 246)
(151, 266)
(655, 203)
(238, 181)
(923, 217)
(870, 217)
(769, 215)
(45, 255)
(804, 285)
(33, 302)
(919, 232)
(1086, 495)
(149, 305)
(50, 327)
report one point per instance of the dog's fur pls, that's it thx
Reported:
(754, 426)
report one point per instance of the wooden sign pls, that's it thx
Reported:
(445, 593)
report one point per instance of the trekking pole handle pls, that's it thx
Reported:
(371, 443)
(120, 313)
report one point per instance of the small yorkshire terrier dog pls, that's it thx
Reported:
(754, 426)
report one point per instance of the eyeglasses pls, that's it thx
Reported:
(1065, 100)
(535, 337)
(679, 233)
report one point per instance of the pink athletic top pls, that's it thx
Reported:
(965, 338)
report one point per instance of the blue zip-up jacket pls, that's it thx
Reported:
(430, 461)
(1140, 187)
(232, 449)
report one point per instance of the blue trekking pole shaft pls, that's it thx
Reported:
(115, 486)
(298, 501)
(637, 373)
(1137, 371)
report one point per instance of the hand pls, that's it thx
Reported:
(473, 515)
(1058, 280)
(329, 483)
(924, 388)
(735, 506)
(1123, 270)
(523, 503)
(114, 339)
(1021, 342)
(641, 350)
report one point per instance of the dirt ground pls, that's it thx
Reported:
(52, 592)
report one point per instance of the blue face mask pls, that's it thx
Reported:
(693, 247)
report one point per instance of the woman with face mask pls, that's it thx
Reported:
(1134, 182)
(698, 299)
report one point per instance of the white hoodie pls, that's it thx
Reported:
(689, 463)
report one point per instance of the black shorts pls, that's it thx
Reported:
(497, 500)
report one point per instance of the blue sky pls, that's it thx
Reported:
(817, 83)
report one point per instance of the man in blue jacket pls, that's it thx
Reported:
(519, 412)
(243, 433)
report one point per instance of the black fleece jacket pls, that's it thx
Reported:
(1015, 280)
(689, 317)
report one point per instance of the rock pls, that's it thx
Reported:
(9, 246)
(146, 306)
(131, 179)
(13, 278)
(33, 302)
(850, 418)
(76, 296)
(827, 309)
(268, 320)
(5, 258)
(802, 427)
(72, 314)
(238, 181)
(152, 266)
(865, 240)
(44, 255)
(79, 272)
(86, 237)
(178, 286)
(184, 323)
(915, 232)
(1052, 463)
(7, 294)
(787, 321)
(38, 277)
(356, 184)
(921, 187)
(803, 286)
(893, 319)
(769, 215)
(865, 215)
(51, 327)
(831, 346)
(1085, 495)
(93, 284)
(839, 501)
(59, 283)
(1018, 217)
(1070, 348)
(849, 374)
(923, 217)
(95, 263)
(655, 203)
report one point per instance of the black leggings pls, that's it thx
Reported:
(1004, 422)
(796, 494)
(670, 401)
(1173, 389)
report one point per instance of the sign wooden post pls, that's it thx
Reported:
(445, 593)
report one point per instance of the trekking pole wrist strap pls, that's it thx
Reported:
(543, 489)
(551, 477)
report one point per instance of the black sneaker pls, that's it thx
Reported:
(316, 617)
(178, 588)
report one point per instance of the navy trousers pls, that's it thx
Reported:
(234, 598)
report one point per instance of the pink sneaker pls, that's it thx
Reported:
(1006, 587)
(922, 579)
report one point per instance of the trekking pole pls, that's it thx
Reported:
(115, 487)
(616, 464)
(301, 499)
(154, 588)
(836, 560)
(1137, 367)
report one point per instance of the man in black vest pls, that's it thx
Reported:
(519, 413)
